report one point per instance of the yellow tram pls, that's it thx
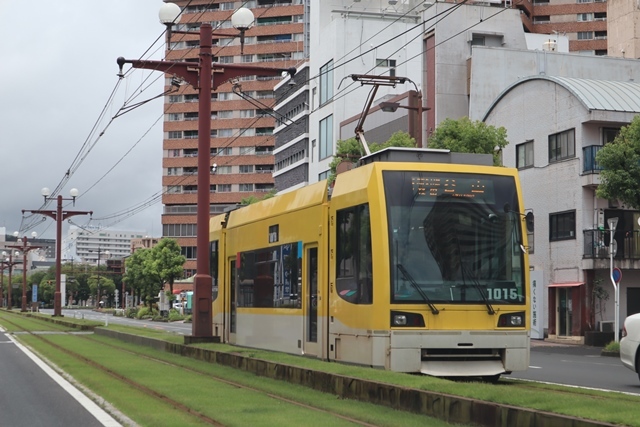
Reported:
(414, 261)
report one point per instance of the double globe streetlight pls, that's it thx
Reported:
(58, 215)
(201, 77)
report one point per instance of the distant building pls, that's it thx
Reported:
(90, 244)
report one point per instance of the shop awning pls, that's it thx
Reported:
(566, 284)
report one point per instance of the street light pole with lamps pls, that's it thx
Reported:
(613, 223)
(203, 77)
(59, 215)
(10, 263)
(25, 248)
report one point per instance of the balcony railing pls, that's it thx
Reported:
(590, 165)
(596, 244)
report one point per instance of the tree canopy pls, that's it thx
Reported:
(466, 136)
(620, 160)
(351, 150)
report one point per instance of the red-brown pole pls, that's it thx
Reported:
(57, 296)
(202, 325)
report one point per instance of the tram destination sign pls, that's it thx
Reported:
(429, 188)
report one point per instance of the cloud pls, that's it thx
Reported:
(57, 75)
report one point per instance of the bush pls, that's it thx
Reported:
(146, 313)
(174, 316)
(613, 347)
(131, 312)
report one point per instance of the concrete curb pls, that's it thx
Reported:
(453, 409)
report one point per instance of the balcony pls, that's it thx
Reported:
(590, 167)
(596, 244)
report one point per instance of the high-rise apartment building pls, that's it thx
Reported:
(583, 21)
(242, 120)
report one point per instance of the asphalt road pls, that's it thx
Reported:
(32, 394)
(579, 366)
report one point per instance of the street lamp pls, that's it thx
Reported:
(59, 215)
(201, 77)
(415, 121)
(107, 254)
(25, 248)
(613, 223)
(10, 263)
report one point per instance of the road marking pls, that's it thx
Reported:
(535, 367)
(100, 414)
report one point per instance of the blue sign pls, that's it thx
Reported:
(617, 275)
(34, 293)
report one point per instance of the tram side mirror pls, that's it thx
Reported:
(528, 219)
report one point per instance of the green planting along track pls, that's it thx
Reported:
(576, 405)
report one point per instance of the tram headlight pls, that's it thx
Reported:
(405, 319)
(511, 320)
(399, 320)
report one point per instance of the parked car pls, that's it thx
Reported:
(630, 343)
(177, 306)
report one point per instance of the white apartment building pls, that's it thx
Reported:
(89, 244)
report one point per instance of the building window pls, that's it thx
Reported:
(323, 175)
(562, 145)
(585, 17)
(609, 134)
(224, 188)
(387, 63)
(246, 187)
(225, 133)
(562, 226)
(326, 82)
(585, 35)
(246, 168)
(524, 155)
(247, 150)
(190, 116)
(542, 19)
(175, 117)
(228, 114)
(600, 35)
(326, 137)
(600, 16)
(223, 170)
(191, 134)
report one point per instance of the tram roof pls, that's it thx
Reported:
(427, 155)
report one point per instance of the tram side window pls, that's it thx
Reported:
(354, 280)
(213, 268)
(269, 277)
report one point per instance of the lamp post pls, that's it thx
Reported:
(25, 248)
(613, 223)
(59, 215)
(205, 79)
(415, 102)
(107, 253)
(10, 263)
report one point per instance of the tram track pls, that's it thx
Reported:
(163, 397)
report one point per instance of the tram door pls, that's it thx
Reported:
(565, 312)
(311, 302)
(232, 301)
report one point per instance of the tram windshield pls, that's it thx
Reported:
(455, 238)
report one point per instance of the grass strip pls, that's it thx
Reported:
(230, 405)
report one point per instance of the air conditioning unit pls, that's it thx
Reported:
(607, 326)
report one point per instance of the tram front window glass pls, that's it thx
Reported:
(455, 238)
(354, 268)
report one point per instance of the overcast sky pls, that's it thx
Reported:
(57, 72)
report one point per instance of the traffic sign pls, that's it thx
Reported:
(617, 275)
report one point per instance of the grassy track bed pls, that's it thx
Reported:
(17, 323)
(197, 386)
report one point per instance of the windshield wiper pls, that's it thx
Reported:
(424, 296)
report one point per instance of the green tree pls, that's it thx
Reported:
(351, 150)
(253, 199)
(620, 160)
(466, 136)
(136, 276)
(100, 285)
(167, 261)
